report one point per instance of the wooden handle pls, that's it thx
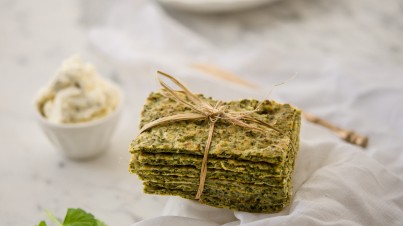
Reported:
(347, 135)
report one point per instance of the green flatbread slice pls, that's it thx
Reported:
(190, 184)
(213, 163)
(255, 198)
(229, 141)
(212, 174)
(165, 162)
(253, 204)
(222, 188)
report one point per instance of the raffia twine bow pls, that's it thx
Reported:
(203, 110)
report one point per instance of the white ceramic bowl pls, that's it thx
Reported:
(82, 141)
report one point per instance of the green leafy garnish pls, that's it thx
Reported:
(74, 217)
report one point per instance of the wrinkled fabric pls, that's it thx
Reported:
(334, 184)
(344, 74)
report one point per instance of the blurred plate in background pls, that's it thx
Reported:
(213, 6)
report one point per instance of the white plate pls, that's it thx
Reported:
(214, 6)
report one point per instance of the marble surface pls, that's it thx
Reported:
(333, 41)
(33, 175)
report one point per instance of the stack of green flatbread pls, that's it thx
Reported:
(247, 170)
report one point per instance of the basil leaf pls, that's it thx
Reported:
(78, 217)
(42, 223)
(100, 223)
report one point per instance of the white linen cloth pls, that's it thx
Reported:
(345, 76)
(334, 184)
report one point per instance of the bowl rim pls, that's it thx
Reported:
(91, 123)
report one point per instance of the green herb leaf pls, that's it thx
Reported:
(74, 217)
(100, 223)
(78, 217)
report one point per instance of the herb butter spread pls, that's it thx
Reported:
(246, 170)
(77, 94)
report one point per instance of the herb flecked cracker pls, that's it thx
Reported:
(247, 170)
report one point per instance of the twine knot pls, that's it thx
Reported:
(203, 110)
